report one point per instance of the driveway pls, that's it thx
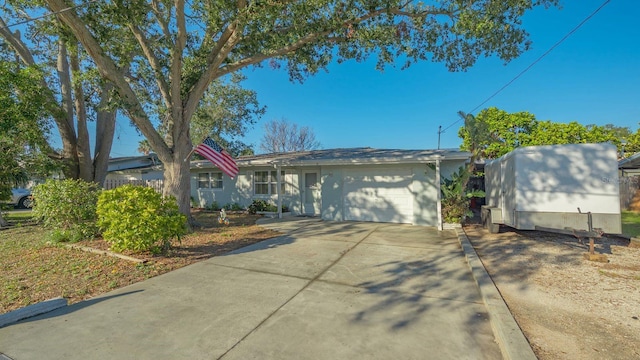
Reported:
(322, 291)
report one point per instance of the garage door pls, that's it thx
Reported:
(378, 195)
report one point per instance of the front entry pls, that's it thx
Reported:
(311, 193)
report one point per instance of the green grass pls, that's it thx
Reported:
(18, 215)
(19, 218)
(631, 223)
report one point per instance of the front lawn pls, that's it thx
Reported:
(33, 269)
(631, 223)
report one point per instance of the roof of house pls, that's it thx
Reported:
(348, 156)
(133, 162)
(632, 162)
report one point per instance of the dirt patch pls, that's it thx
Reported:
(33, 269)
(210, 239)
(567, 307)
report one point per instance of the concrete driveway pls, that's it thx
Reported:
(322, 291)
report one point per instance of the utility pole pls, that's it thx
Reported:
(439, 132)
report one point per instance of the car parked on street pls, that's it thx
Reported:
(21, 198)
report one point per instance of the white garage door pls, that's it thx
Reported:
(378, 195)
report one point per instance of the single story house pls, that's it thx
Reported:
(359, 184)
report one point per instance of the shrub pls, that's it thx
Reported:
(233, 207)
(138, 218)
(67, 206)
(455, 209)
(263, 205)
(213, 206)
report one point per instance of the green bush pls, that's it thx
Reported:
(233, 207)
(213, 206)
(68, 207)
(263, 205)
(455, 209)
(138, 218)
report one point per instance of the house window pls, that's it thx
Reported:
(210, 180)
(266, 182)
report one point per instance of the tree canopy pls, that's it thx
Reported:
(162, 56)
(496, 132)
(23, 128)
(74, 93)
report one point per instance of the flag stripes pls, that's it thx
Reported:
(218, 156)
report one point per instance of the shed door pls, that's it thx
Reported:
(379, 195)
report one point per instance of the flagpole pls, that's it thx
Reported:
(194, 148)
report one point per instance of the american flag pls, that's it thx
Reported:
(218, 156)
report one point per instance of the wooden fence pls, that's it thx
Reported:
(154, 184)
(629, 186)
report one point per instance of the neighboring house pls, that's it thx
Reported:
(629, 177)
(360, 184)
(629, 166)
(146, 167)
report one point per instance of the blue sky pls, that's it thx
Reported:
(593, 77)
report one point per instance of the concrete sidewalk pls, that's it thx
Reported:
(322, 291)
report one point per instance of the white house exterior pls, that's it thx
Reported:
(359, 184)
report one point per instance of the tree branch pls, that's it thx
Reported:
(16, 43)
(229, 38)
(107, 68)
(161, 19)
(85, 168)
(227, 69)
(309, 38)
(155, 64)
(175, 76)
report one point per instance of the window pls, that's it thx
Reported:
(266, 182)
(210, 180)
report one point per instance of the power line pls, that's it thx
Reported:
(47, 15)
(532, 64)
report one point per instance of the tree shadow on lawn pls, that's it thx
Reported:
(514, 256)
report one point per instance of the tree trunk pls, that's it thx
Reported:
(3, 222)
(85, 162)
(105, 129)
(177, 177)
(69, 140)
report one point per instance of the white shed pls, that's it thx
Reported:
(555, 186)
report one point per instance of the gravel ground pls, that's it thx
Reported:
(567, 307)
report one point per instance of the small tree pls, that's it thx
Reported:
(455, 196)
(284, 136)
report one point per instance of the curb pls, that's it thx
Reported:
(512, 342)
(32, 310)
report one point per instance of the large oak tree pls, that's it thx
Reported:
(179, 48)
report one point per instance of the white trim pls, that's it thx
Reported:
(279, 190)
